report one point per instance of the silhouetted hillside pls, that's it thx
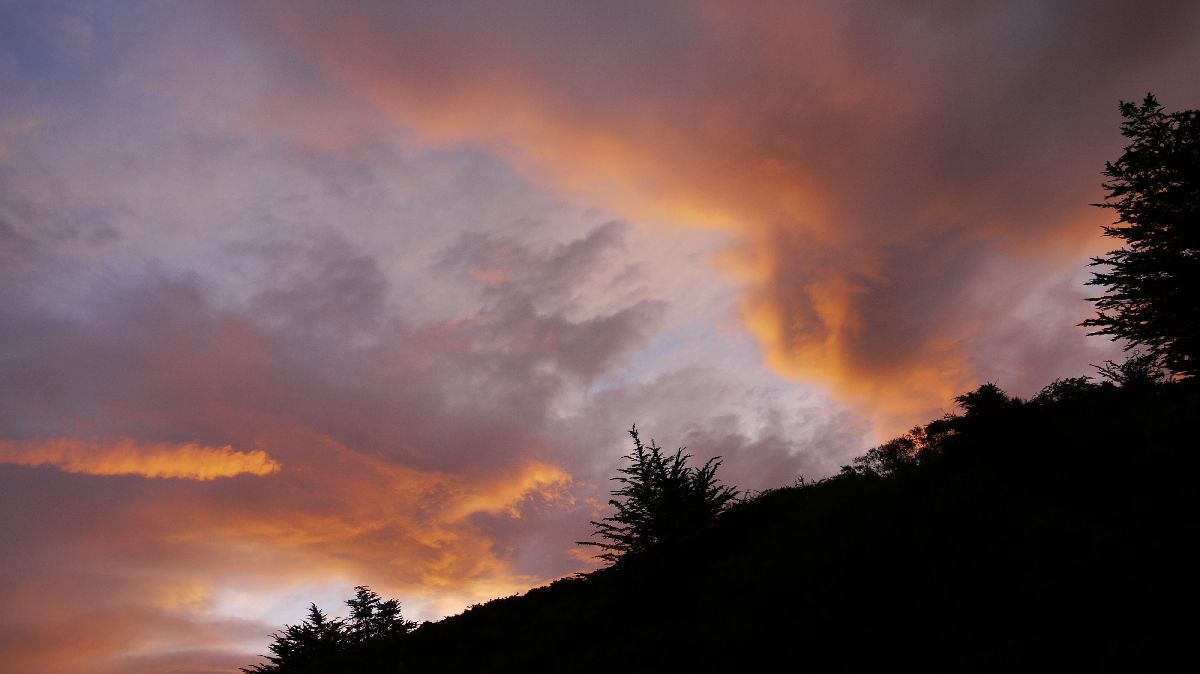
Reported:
(1015, 534)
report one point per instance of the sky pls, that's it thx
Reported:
(297, 296)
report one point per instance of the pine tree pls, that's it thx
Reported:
(1150, 282)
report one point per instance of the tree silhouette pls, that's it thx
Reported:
(317, 637)
(1063, 390)
(298, 648)
(662, 500)
(372, 617)
(1155, 189)
(985, 400)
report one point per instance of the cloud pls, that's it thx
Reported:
(125, 456)
(400, 452)
(869, 161)
(91, 642)
(433, 260)
(767, 433)
(534, 480)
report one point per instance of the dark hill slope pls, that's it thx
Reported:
(1052, 532)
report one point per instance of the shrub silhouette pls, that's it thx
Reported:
(1066, 389)
(1155, 189)
(661, 501)
(983, 409)
(1138, 370)
(985, 400)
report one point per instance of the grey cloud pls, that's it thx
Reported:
(548, 277)
(339, 293)
(768, 434)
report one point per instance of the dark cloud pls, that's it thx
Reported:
(337, 293)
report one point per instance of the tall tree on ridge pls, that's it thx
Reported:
(1150, 281)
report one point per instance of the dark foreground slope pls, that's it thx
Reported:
(1024, 534)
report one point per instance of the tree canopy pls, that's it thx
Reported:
(661, 500)
(1155, 189)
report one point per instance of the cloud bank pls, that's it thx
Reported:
(401, 276)
(873, 163)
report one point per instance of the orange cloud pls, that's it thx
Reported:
(863, 190)
(425, 535)
(339, 517)
(505, 495)
(125, 456)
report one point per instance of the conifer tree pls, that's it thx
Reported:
(1150, 282)
(299, 648)
(318, 636)
(372, 617)
(662, 500)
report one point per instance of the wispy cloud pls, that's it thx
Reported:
(125, 456)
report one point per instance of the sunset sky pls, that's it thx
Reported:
(297, 296)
